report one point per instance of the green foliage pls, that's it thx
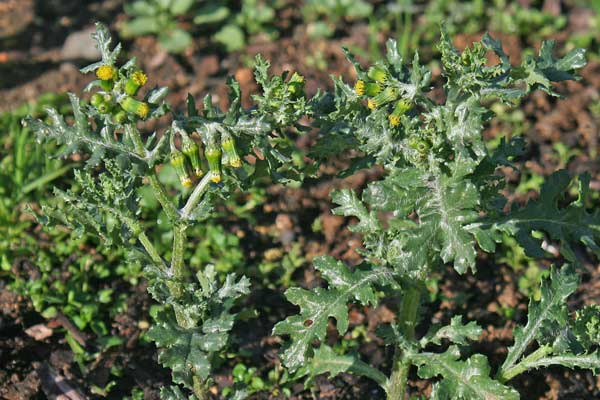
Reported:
(569, 224)
(193, 328)
(323, 17)
(159, 17)
(177, 22)
(456, 332)
(473, 16)
(468, 379)
(198, 325)
(318, 305)
(38, 271)
(587, 326)
(561, 340)
(439, 197)
(24, 172)
(325, 360)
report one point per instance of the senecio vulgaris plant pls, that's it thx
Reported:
(194, 326)
(438, 198)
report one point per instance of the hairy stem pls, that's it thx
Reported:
(199, 388)
(525, 364)
(409, 309)
(195, 197)
(162, 197)
(151, 250)
(157, 187)
(179, 237)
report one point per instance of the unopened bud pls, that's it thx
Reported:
(133, 106)
(378, 74)
(179, 164)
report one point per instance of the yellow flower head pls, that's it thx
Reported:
(143, 109)
(139, 78)
(394, 120)
(186, 182)
(106, 72)
(215, 177)
(372, 104)
(359, 87)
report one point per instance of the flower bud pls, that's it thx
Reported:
(107, 85)
(378, 74)
(420, 145)
(296, 85)
(179, 163)
(96, 99)
(137, 80)
(192, 152)
(394, 119)
(120, 117)
(213, 156)
(103, 108)
(401, 107)
(372, 89)
(389, 94)
(133, 106)
(230, 156)
(359, 87)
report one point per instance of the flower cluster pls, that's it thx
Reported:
(380, 91)
(220, 150)
(116, 98)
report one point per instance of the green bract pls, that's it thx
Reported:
(437, 200)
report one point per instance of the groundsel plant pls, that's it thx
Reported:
(207, 150)
(438, 199)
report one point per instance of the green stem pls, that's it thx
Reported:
(179, 237)
(151, 250)
(136, 228)
(157, 187)
(162, 197)
(525, 364)
(199, 388)
(409, 309)
(195, 197)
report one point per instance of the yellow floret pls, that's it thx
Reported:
(359, 87)
(215, 177)
(186, 182)
(143, 110)
(106, 72)
(394, 120)
(139, 78)
(372, 104)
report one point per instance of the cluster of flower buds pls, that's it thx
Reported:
(186, 161)
(296, 85)
(219, 151)
(419, 144)
(380, 92)
(119, 89)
